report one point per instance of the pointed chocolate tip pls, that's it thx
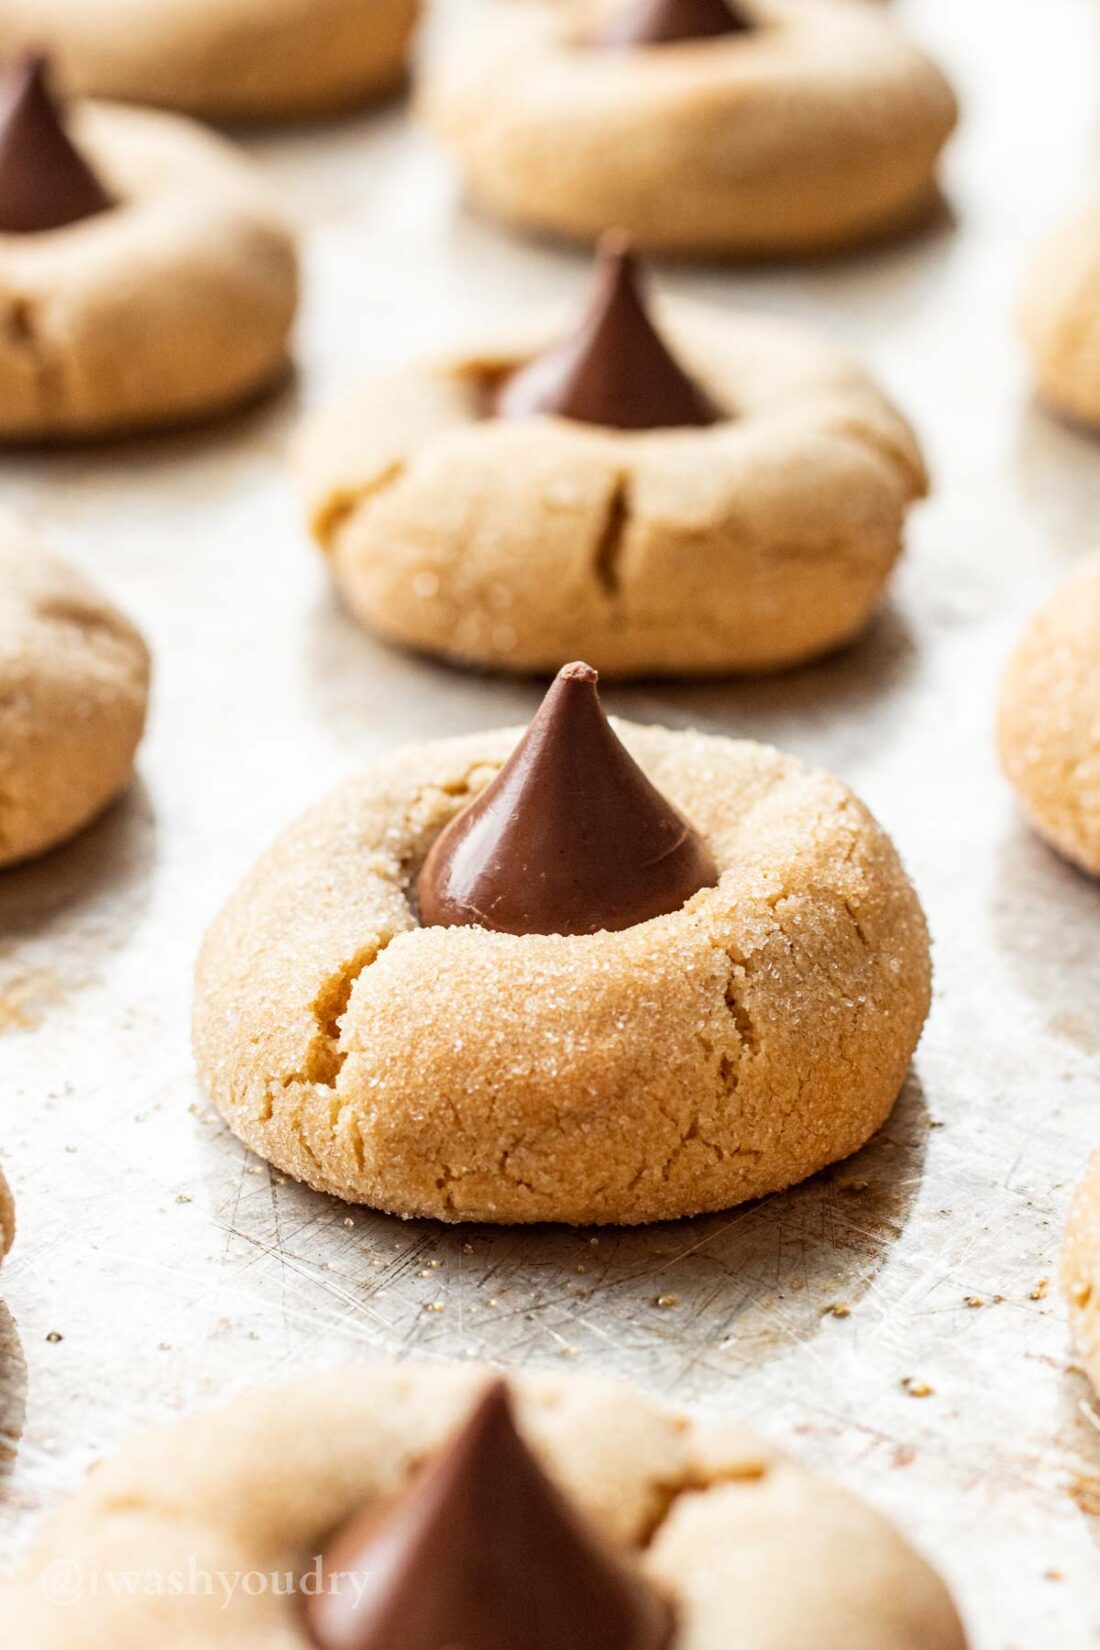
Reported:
(667, 22)
(616, 370)
(45, 183)
(492, 1408)
(482, 1552)
(569, 838)
(615, 247)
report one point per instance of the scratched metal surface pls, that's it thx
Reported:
(176, 1269)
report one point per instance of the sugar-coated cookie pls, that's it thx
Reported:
(385, 1010)
(1049, 723)
(74, 680)
(1081, 1271)
(223, 59)
(746, 519)
(629, 1525)
(1061, 317)
(145, 274)
(814, 126)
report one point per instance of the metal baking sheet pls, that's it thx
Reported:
(896, 1320)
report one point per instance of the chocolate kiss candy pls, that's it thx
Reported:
(663, 22)
(569, 838)
(482, 1552)
(44, 182)
(615, 370)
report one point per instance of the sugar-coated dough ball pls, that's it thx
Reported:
(1049, 725)
(1061, 317)
(757, 543)
(725, 1050)
(74, 680)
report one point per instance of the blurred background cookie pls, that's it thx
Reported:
(1061, 319)
(699, 126)
(74, 681)
(146, 276)
(224, 59)
(427, 1505)
(1049, 721)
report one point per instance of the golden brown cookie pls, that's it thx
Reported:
(223, 59)
(74, 681)
(721, 1051)
(172, 303)
(1081, 1271)
(819, 129)
(1061, 319)
(752, 1548)
(760, 541)
(1049, 724)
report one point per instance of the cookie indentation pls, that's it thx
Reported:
(609, 545)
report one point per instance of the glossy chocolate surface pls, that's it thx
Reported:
(666, 22)
(45, 183)
(482, 1552)
(569, 838)
(616, 370)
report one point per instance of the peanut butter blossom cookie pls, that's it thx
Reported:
(582, 974)
(145, 276)
(74, 681)
(701, 126)
(440, 1509)
(253, 59)
(1081, 1271)
(1062, 319)
(680, 492)
(1049, 724)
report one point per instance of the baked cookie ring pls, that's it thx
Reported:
(820, 129)
(1061, 319)
(1049, 721)
(223, 59)
(753, 1548)
(687, 1063)
(758, 542)
(74, 682)
(1081, 1271)
(174, 303)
